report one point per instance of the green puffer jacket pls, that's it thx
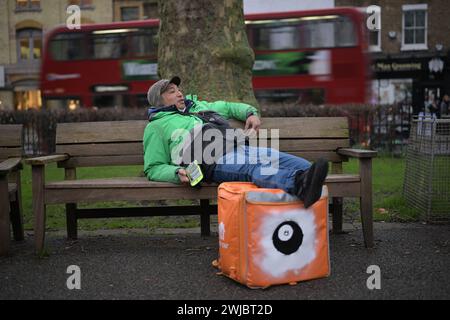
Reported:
(158, 143)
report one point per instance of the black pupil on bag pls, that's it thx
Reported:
(288, 237)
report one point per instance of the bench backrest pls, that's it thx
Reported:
(10, 141)
(120, 142)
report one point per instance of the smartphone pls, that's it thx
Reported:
(194, 173)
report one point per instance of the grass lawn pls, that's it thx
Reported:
(389, 205)
(388, 183)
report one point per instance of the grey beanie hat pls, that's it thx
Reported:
(158, 88)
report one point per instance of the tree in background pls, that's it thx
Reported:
(205, 43)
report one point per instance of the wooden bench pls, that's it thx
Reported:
(10, 191)
(120, 143)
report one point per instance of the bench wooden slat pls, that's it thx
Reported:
(101, 149)
(99, 161)
(10, 152)
(136, 148)
(315, 155)
(134, 182)
(61, 195)
(300, 145)
(89, 132)
(125, 160)
(142, 182)
(10, 135)
(96, 195)
(132, 131)
(308, 127)
(138, 189)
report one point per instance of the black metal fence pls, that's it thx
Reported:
(384, 128)
(39, 134)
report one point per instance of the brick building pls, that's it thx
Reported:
(23, 24)
(411, 52)
(126, 10)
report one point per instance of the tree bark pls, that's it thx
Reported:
(205, 43)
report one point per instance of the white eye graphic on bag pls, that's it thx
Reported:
(288, 241)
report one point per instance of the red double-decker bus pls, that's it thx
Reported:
(307, 56)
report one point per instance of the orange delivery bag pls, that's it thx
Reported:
(267, 237)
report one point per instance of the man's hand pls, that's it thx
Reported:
(253, 123)
(182, 175)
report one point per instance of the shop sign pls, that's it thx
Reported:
(397, 66)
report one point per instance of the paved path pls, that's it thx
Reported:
(414, 261)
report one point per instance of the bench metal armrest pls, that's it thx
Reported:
(40, 161)
(10, 165)
(357, 153)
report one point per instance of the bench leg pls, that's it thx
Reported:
(5, 232)
(16, 212)
(17, 221)
(38, 178)
(205, 218)
(71, 221)
(71, 208)
(367, 221)
(337, 215)
(365, 166)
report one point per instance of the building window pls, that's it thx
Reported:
(415, 27)
(29, 44)
(83, 4)
(151, 11)
(375, 41)
(27, 98)
(28, 5)
(129, 13)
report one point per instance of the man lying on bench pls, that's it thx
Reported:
(188, 140)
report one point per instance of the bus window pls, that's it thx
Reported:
(112, 101)
(144, 43)
(107, 46)
(313, 96)
(67, 46)
(327, 32)
(346, 33)
(275, 36)
(303, 33)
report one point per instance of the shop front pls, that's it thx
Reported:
(411, 80)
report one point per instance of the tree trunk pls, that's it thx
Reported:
(205, 43)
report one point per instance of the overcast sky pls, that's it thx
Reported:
(262, 6)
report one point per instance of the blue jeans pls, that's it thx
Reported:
(266, 168)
